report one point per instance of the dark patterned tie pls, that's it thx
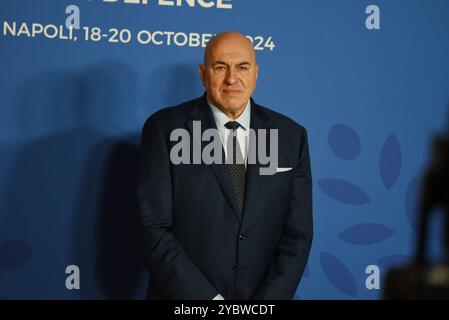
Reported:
(237, 167)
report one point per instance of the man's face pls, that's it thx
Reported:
(229, 73)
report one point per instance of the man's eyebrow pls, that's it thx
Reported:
(224, 63)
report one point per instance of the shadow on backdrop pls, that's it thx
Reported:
(172, 85)
(42, 181)
(106, 212)
(70, 178)
(114, 165)
(69, 192)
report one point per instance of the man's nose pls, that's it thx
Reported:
(231, 76)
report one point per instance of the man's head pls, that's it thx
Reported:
(229, 72)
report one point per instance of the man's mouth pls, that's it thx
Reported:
(232, 91)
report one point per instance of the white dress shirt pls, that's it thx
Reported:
(242, 131)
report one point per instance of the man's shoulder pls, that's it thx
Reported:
(172, 115)
(281, 121)
(180, 110)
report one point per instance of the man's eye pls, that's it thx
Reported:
(219, 68)
(243, 68)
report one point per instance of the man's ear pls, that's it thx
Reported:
(201, 71)
(257, 71)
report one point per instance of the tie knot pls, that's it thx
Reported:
(233, 125)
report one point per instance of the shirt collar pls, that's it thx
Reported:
(221, 119)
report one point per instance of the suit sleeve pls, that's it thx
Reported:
(171, 271)
(286, 269)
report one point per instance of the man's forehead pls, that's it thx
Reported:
(231, 54)
(231, 37)
(230, 45)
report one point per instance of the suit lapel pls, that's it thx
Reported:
(200, 111)
(255, 185)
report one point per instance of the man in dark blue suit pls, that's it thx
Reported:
(224, 230)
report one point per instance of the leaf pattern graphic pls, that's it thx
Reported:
(338, 274)
(390, 161)
(366, 233)
(343, 191)
(344, 142)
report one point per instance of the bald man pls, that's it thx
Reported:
(224, 229)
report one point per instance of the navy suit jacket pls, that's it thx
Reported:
(196, 242)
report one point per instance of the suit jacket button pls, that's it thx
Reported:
(243, 237)
(235, 268)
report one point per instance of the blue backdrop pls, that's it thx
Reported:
(71, 112)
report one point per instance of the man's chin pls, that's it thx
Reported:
(233, 105)
(233, 109)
